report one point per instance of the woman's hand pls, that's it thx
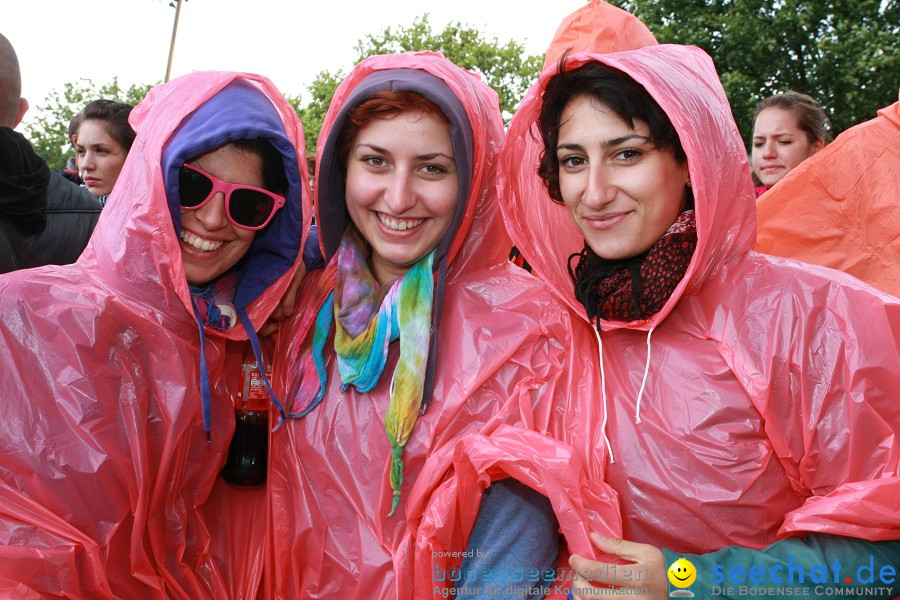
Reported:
(647, 571)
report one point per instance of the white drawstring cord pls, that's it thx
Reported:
(603, 394)
(637, 412)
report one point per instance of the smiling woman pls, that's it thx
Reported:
(624, 156)
(402, 183)
(746, 401)
(219, 219)
(423, 343)
(144, 338)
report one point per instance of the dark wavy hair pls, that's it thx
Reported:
(611, 88)
(115, 115)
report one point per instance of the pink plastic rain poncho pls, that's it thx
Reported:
(839, 209)
(105, 467)
(769, 404)
(501, 363)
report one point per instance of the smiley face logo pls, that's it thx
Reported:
(682, 573)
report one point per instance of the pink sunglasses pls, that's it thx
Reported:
(246, 206)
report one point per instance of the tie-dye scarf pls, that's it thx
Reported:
(366, 319)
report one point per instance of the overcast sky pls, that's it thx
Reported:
(287, 40)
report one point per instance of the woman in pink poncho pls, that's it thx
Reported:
(749, 402)
(118, 372)
(360, 506)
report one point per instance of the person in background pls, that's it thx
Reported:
(70, 171)
(788, 128)
(311, 168)
(749, 402)
(119, 372)
(44, 219)
(102, 142)
(839, 209)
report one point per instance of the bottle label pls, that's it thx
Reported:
(254, 393)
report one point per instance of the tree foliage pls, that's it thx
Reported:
(503, 66)
(844, 54)
(313, 114)
(48, 130)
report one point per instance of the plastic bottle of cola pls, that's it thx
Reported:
(248, 452)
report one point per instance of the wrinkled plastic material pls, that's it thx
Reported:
(502, 364)
(770, 405)
(598, 27)
(839, 207)
(108, 485)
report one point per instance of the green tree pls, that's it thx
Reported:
(48, 130)
(843, 53)
(313, 114)
(503, 66)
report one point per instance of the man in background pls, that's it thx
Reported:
(44, 218)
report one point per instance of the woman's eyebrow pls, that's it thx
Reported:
(373, 148)
(608, 143)
(428, 156)
(432, 155)
(624, 139)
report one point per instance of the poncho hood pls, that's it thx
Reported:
(472, 109)
(690, 94)
(202, 111)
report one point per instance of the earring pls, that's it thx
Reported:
(688, 184)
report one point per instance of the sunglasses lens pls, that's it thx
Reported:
(193, 187)
(250, 208)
